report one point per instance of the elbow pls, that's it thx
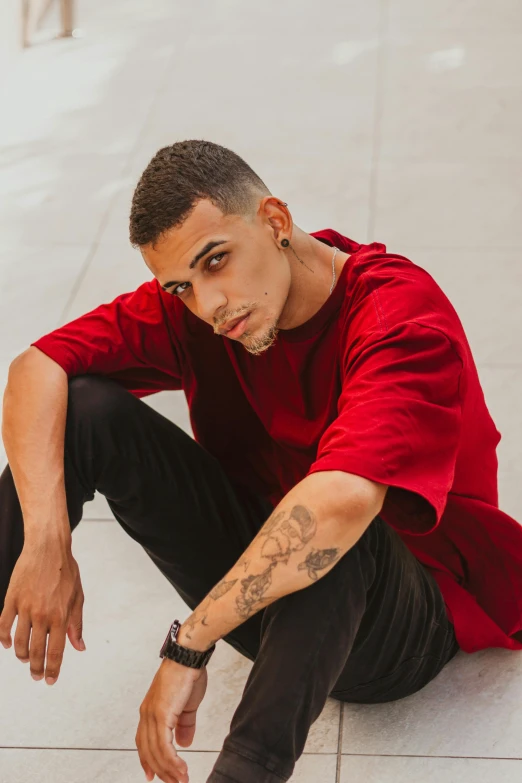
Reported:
(354, 495)
(22, 359)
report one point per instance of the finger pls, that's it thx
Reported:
(153, 762)
(21, 637)
(186, 728)
(7, 619)
(140, 744)
(55, 647)
(142, 741)
(148, 771)
(173, 762)
(155, 759)
(162, 766)
(75, 627)
(37, 650)
(181, 764)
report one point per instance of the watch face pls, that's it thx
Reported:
(171, 636)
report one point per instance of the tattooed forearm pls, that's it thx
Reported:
(255, 581)
(221, 588)
(285, 532)
(318, 559)
(243, 561)
(200, 614)
(253, 592)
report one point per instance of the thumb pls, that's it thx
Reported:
(185, 730)
(75, 627)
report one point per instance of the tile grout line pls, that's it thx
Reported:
(339, 743)
(379, 101)
(305, 753)
(131, 750)
(420, 756)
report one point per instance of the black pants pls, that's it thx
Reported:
(373, 629)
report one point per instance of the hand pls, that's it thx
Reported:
(45, 591)
(170, 704)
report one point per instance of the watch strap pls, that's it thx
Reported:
(171, 649)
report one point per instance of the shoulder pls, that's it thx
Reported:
(150, 300)
(387, 293)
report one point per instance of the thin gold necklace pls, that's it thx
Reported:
(333, 270)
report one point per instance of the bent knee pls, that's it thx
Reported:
(96, 397)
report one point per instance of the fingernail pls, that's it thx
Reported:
(37, 676)
(50, 680)
(82, 645)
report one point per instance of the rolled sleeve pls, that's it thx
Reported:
(399, 422)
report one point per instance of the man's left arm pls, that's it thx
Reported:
(312, 527)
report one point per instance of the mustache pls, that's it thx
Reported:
(230, 314)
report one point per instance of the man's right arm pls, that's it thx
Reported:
(33, 430)
(131, 340)
(45, 589)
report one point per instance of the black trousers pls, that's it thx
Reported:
(373, 629)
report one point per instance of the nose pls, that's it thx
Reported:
(208, 302)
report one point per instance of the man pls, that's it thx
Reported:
(335, 518)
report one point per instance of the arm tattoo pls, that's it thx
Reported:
(200, 615)
(221, 588)
(253, 591)
(286, 532)
(318, 559)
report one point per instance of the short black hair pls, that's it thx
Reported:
(183, 173)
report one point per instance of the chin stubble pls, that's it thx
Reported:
(257, 345)
(254, 345)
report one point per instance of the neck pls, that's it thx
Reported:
(311, 277)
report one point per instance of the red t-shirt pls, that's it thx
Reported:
(379, 382)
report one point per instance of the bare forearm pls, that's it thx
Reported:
(33, 428)
(305, 536)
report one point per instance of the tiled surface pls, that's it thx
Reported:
(457, 17)
(389, 120)
(379, 769)
(102, 766)
(435, 92)
(449, 203)
(35, 281)
(128, 604)
(472, 708)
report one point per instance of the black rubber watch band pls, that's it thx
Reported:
(170, 648)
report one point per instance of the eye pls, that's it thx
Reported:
(178, 290)
(219, 263)
(182, 287)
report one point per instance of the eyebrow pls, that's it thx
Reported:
(208, 247)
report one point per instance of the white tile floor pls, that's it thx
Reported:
(389, 120)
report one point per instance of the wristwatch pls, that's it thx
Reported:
(170, 648)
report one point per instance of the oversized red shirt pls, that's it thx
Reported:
(379, 382)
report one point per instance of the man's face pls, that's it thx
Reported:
(243, 276)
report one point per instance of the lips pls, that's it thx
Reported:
(230, 324)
